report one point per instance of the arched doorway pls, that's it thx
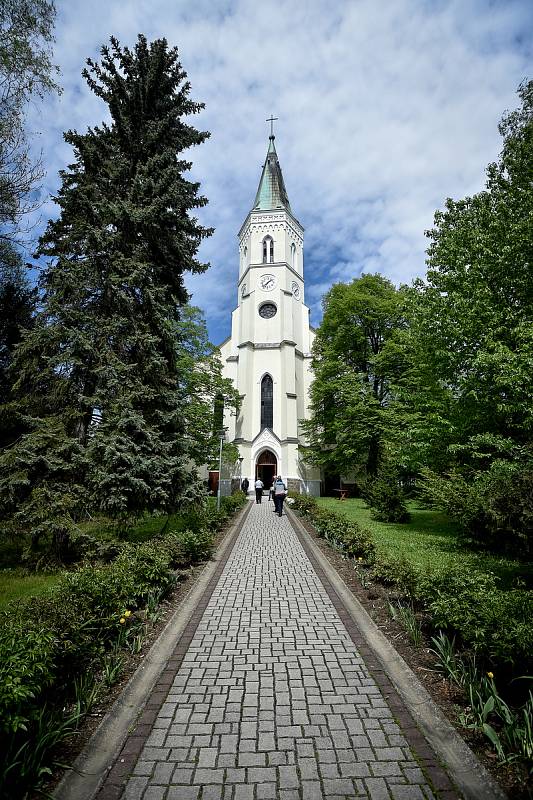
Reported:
(266, 467)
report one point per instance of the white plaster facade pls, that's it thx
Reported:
(280, 345)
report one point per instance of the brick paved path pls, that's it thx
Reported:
(272, 699)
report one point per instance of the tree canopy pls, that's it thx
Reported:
(26, 71)
(101, 373)
(355, 358)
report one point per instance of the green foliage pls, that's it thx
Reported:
(385, 496)
(356, 358)
(494, 508)
(496, 625)
(189, 546)
(347, 536)
(509, 731)
(26, 669)
(487, 613)
(407, 616)
(302, 503)
(17, 308)
(26, 72)
(101, 376)
(392, 571)
(81, 625)
(470, 351)
(204, 391)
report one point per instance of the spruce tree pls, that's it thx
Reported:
(17, 308)
(101, 364)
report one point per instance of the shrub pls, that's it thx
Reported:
(494, 624)
(385, 497)
(493, 507)
(302, 503)
(396, 572)
(26, 668)
(188, 546)
(47, 642)
(344, 534)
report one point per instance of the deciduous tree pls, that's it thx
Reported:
(355, 359)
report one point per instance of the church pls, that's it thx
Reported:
(268, 354)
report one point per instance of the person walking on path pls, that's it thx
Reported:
(244, 485)
(258, 490)
(280, 490)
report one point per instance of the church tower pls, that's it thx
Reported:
(268, 354)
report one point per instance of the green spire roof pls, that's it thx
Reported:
(271, 193)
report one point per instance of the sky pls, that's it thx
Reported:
(385, 107)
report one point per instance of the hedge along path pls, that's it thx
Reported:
(267, 695)
(141, 692)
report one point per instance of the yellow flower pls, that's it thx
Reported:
(122, 620)
(359, 559)
(127, 614)
(490, 675)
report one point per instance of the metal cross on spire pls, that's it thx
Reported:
(271, 119)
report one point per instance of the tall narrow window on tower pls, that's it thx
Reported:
(268, 250)
(293, 255)
(267, 403)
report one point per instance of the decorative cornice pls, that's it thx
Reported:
(288, 440)
(275, 265)
(267, 345)
(258, 217)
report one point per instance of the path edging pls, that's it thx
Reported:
(91, 766)
(469, 775)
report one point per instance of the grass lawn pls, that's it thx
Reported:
(429, 539)
(16, 586)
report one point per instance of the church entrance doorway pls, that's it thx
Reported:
(266, 468)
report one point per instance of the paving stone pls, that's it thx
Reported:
(311, 790)
(406, 793)
(377, 789)
(272, 701)
(135, 788)
(213, 793)
(155, 793)
(261, 774)
(204, 776)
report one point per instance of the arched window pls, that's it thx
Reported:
(267, 402)
(268, 250)
(293, 255)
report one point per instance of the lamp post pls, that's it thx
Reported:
(240, 460)
(222, 435)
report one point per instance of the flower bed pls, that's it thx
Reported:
(48, 643)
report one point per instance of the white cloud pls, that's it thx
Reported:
(385, 110)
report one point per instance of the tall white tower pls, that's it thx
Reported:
(268, 353)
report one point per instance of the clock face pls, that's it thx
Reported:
(243, 290)
(267, 282)
(295, 290)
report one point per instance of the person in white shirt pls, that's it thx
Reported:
(258, 490)
(280, 491)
